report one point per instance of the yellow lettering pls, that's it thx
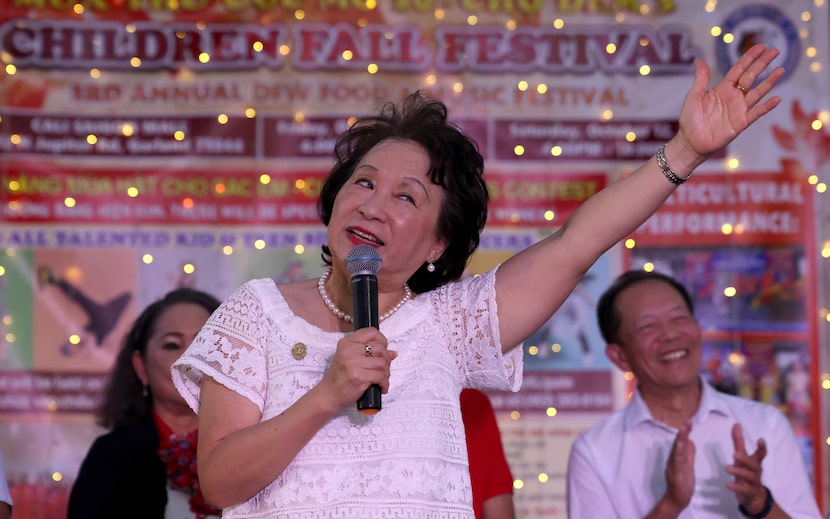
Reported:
(174, 187)
(273, 189)
(193, 5)
(26, 185)
(665, 6)
(570, 6)
(343, 4)
(37, 4)
(89, 186)
(311, 187)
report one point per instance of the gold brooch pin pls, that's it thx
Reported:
(298, 351)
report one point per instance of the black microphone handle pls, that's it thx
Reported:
(365, 310)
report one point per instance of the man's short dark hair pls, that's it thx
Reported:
(607, 317)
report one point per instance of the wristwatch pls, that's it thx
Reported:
(764, 511)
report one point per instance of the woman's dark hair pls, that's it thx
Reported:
(455, 164)
(607, 316)
(124, 399)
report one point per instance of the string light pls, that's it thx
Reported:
(817, 124)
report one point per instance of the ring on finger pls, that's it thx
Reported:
(368, 348)
(739, 87)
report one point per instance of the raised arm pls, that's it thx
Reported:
(532, 284)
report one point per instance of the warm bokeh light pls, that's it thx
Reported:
(609, 98)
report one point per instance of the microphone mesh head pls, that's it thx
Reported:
(363, 259)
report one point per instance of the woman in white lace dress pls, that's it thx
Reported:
(276, 371)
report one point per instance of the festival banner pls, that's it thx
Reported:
(146, 145)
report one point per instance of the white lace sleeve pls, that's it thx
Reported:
(472, 325)
(228, 349)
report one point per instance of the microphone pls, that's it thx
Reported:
(363, 264)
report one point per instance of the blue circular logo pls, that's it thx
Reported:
(759, 24)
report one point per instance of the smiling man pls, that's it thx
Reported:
(679, 449)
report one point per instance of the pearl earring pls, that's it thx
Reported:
(430, 266)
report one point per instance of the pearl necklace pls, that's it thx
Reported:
(321, 286)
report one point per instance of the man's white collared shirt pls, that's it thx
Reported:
(617, 467)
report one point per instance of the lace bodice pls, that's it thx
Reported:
(407, 461)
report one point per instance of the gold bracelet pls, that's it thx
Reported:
(667, 171)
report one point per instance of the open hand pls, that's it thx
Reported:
(710, 119)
